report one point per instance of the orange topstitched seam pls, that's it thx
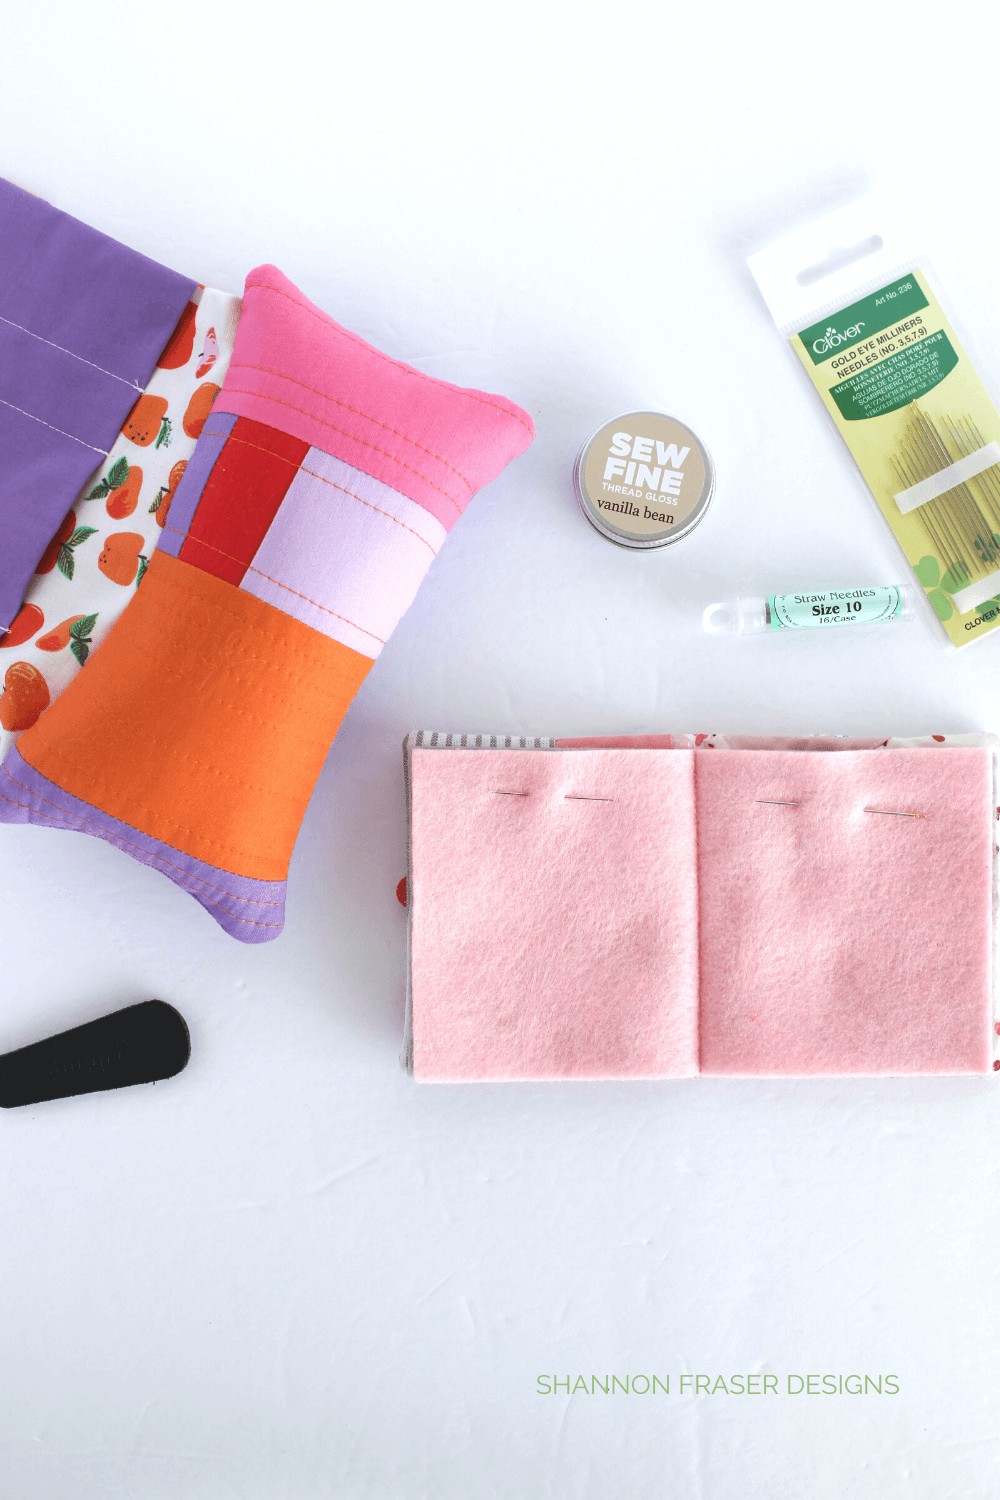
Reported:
(241, 390)
(161, 609)
(336, 401)
(175, 752)
(317, 665)
(459, 390)
(179, 829)
(83, 825)
(78, 822)
(287, 679)
(332, 482)
(261, 574)
(246, 863)
(304, 736)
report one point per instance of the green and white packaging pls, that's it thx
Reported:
(862, 315)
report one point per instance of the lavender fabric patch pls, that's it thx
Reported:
(383, 543)
(210, 445)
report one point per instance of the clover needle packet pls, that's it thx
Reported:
(862, 315)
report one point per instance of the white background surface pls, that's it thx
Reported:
(292, 1272)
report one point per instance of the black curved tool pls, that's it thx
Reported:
(140, 1044)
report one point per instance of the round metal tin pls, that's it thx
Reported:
(644, 480)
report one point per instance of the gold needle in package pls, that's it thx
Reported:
(866, 323)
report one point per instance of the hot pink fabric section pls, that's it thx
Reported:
(835, 940)
(575, 956)
(296, 369)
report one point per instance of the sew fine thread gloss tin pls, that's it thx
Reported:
(644, 480)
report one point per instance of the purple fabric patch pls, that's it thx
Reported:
(184, 504)
(79, 288)
(82, 322)
(76, 404)
(253, 911)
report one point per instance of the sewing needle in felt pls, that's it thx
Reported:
(887, 812)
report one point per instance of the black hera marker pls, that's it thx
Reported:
(139, 1044)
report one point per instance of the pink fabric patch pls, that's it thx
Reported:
(835, 940)
(550, 939)
(344, 553)
(744, 911)
(297, 369)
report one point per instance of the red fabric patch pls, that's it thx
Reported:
(248, 482)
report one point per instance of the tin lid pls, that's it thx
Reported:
(644, 479)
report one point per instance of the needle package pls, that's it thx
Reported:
(864, 319)
(825, 609)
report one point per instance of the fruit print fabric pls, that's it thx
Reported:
(325, 479)
(25, 696)
(96, 559)
(82, 321)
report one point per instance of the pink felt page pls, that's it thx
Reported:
(552, 936)
(835, 940)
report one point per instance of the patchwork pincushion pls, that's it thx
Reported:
(324, 482)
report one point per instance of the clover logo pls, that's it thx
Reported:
(940, 585)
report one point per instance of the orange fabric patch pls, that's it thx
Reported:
(203, 720)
